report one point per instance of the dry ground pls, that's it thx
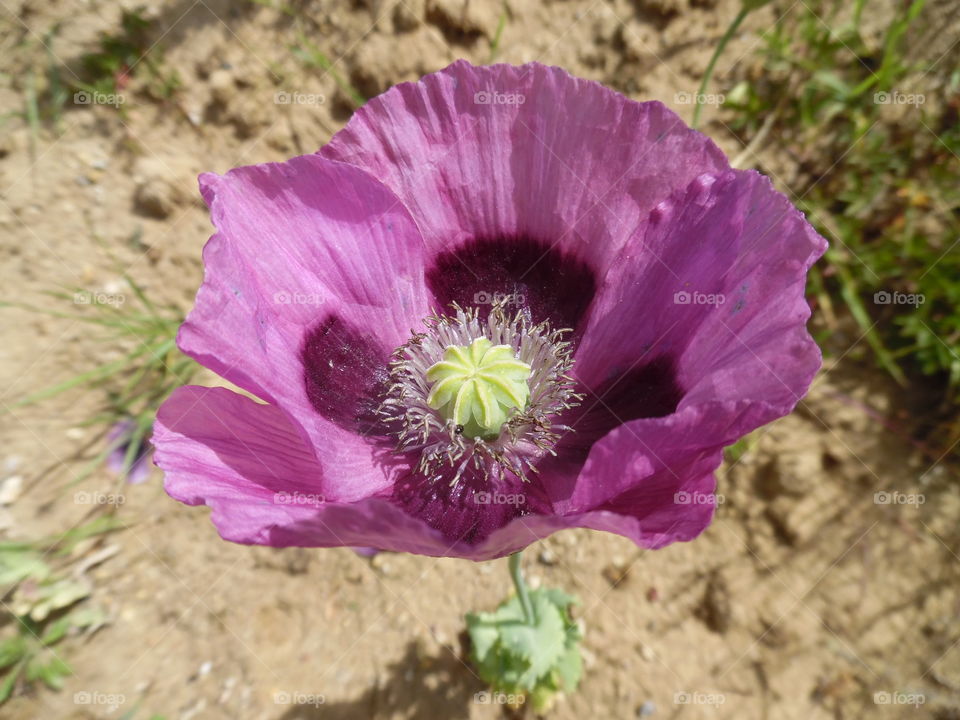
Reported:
(804, 599)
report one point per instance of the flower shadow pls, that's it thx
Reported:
(418, 686)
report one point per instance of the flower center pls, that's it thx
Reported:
(476, 386)
(480, 395)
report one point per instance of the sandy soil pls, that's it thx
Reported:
(805, 598)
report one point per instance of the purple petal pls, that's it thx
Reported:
(738, 364)
(345, 375)
(248, 463)
(570, 167)
(471, 509)
(736, 240)
(366, 552)
(314, 276)
(520, 272)
(119, 439)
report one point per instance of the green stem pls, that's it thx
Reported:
(744, 11)
(516, 575)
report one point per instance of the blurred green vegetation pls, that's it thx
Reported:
(102, 76)
(865, 122)
(133, 385)
(45, 600)
(109, 69)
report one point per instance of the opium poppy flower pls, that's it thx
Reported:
(502, 301)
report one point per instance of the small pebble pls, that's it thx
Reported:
(228, 686)
(380, 564)
(10, 489)
(547, 557)
(616, 573)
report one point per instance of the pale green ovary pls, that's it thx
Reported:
(477, 386)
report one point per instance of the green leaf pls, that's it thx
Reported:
(537, 659)
(41, 601)
(89, 618)
(483, 635)
(18, 565)
(49, 669)
(12, 650)
(56, 631)
(6, 688)
(570, 667)
(558, 597)
(540, 644)
(848, 291)
(84, 618)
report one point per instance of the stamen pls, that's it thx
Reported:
(474, 395)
